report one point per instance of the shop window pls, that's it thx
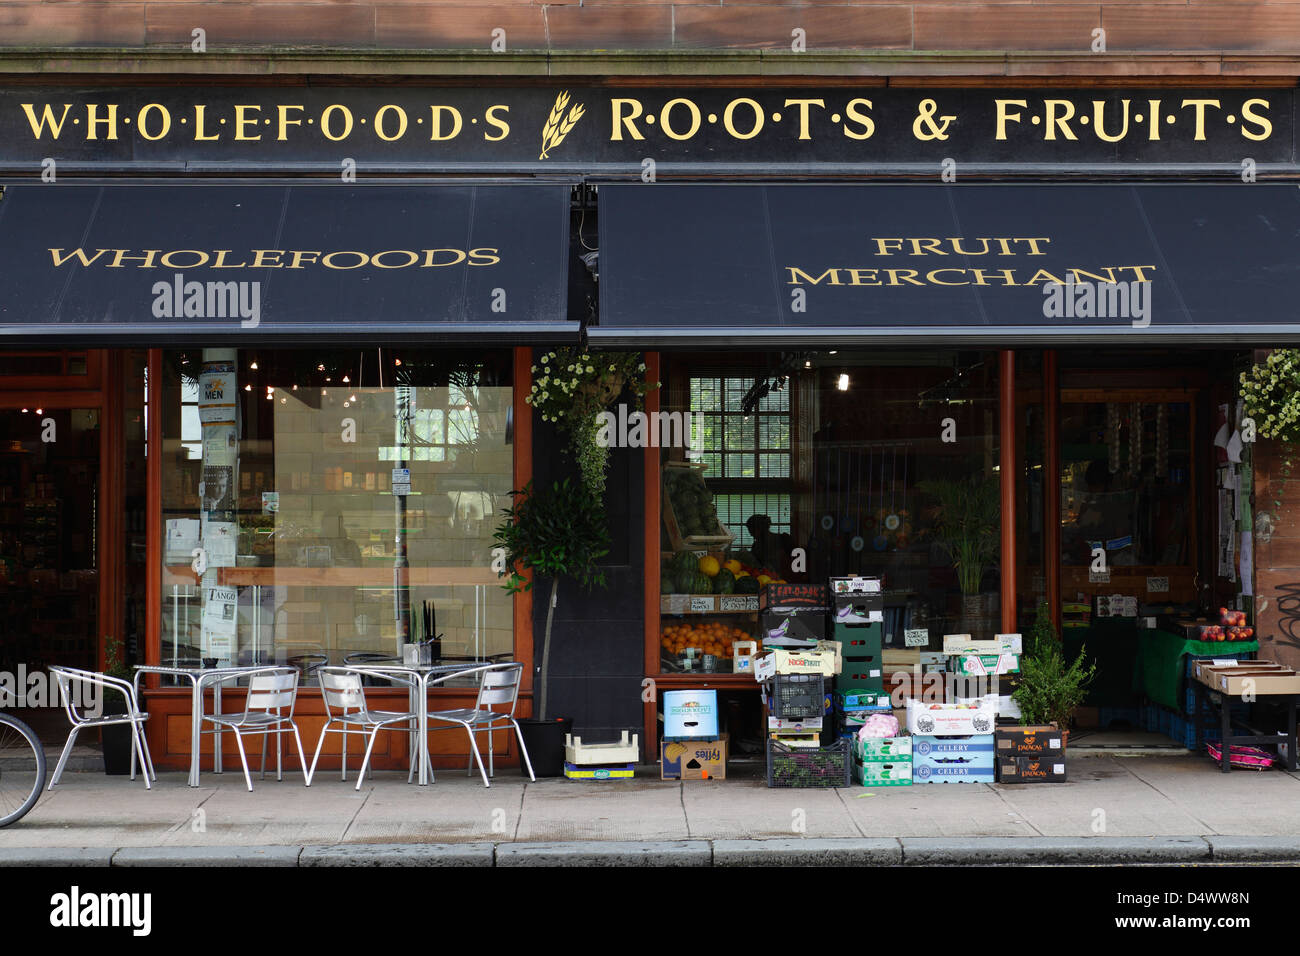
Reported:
(1126, 483)
(814, 465)
(293, 473)
(745, 448)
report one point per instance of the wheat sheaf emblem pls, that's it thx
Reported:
(558, 125)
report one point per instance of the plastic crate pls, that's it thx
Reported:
(810, 767)
(798, 696)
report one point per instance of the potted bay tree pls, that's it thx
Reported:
(558, 531)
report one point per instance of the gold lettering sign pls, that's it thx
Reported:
(338, 259)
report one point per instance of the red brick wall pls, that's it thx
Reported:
(1188, 26)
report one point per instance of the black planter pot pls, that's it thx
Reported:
(545, 742)
(116, 737)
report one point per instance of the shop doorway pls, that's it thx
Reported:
(49, 552)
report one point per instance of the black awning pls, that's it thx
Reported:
(965, 264)
(195, 262)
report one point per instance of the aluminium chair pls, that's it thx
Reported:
(271, 690)
(498, 687)
(343, 692)
(99, 685)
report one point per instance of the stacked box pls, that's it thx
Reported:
(694, 760)
(882, 761)
(797, 623)
(1033, 754)
(967, 759)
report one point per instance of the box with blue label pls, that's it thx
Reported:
(690, 714)
(953, 759)
(864, 700)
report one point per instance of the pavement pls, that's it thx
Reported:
(1131, 809)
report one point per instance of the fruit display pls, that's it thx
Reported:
(692, 504)
(688, 573)
(707, 637)
(1231, 627)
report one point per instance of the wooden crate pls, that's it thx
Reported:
(706, 542)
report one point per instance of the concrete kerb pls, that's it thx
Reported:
(986, 851)
(907, 851)
(606, 853)
(56, 856)
(395, 854)
(878, 851)
(207, 856)
(1247, 849)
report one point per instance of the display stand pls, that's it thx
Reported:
(1213, 704)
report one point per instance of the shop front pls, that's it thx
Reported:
(294, 396)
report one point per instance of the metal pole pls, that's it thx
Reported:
(1007, 475)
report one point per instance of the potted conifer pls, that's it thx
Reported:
(1050, 690)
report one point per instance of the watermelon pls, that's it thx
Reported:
(703, 584)
(684, 561)
(724, 582)
(747, 585)
(686, 582)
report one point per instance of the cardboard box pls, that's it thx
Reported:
(951, 720)
(882, 748)
(833, 648)
(880, 773)
(803, 725)
(1258, 680)
(795, 595)
(849, 701)
(896, 659)
(953, 760)
(690, 714)
(858, 611)
(693, 760)
(742, 656)
(803, 624)
(1044, 742)
(1200, 665)
(985, 665)
(861, 675)
(962, 644)
(1026, 769)
(794, 662)
(806, 739)
(860, 642)
(856, 585)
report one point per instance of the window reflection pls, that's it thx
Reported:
(283, 512)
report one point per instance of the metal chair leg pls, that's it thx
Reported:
(302, 759)
(343, 772)
(319, 744)
(523, 750)
(366, 761)
(63, 757)
(138, 745)
(279, 751)
(474, 744)
(243, 759)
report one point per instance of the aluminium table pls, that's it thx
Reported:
(200, 678)
(418, 678)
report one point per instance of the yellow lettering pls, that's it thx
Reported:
(59, 259)
(241, 121)
(284, 123)
(620, 121)
(200, 112)
(796, 272)
(47, 117)
(142, 119)
(1248, 114)
(1199, 106)
(729, 113)
(168, 260)
(930, 276)
(1004, 117)
(665, 118)
(851, 112)
(803, 113)
(491, 120)
(93, 120)
(267, 258)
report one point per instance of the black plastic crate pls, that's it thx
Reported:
(798, 696)
(809, 767)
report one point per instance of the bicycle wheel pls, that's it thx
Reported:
(22, 769)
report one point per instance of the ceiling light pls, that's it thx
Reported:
(248, 387)
(843, 383)
(253, 365)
